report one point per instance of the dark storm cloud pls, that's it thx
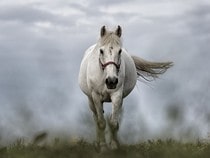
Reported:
(33, 14)
(24, 13)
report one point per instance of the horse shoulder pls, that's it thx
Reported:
(94, 76)
(88, 52)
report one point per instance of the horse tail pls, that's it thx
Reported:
(150, 70)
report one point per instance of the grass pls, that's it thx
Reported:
(149, 149)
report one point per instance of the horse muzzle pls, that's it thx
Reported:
(111, 82)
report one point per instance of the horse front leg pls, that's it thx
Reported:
(100, 122)
(114, 120)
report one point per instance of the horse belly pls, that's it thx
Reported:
(128, 87)
(83, 82)
(130, 76)
(83, 77)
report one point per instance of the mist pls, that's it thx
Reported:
(42, 44)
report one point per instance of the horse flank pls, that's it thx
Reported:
(150, 70)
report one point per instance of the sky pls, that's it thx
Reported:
(42, 43)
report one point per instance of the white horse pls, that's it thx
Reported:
(108, 74)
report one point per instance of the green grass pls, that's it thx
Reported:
(81, 148)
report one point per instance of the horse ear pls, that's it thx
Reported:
(103, 31)
(118, 31)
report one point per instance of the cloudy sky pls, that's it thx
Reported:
(41, 46)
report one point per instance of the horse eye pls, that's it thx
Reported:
(101, 51)
(120, 51)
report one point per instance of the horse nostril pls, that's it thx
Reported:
(107, 80)
(115, 80)
(111, 81)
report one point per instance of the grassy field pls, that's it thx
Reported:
(81, 148)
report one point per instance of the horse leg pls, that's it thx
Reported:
(100, 122)
(114, 121)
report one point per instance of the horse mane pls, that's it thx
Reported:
(150, 70)
(110, 38)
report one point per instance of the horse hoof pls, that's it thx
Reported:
(96, 146)
(114, 145)
(100, 148)
(103, 148)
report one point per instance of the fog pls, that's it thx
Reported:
(41, 47)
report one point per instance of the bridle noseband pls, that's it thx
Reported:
(103, 66)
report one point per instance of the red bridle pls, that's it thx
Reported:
(108, 63)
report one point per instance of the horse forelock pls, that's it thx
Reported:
(110, 38)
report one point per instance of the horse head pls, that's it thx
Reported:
(109, 49)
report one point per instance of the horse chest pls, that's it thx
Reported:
(105, 97)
